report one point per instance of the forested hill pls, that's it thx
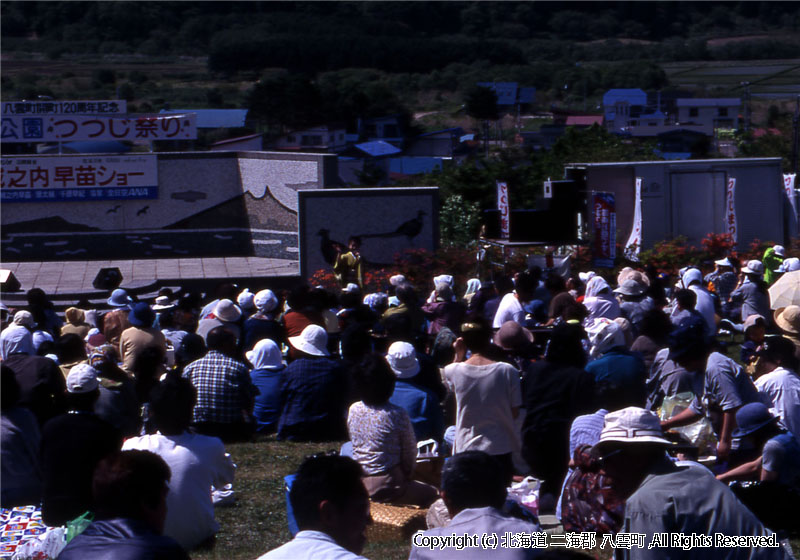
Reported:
(410, 37)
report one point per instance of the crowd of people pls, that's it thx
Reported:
(125, 411)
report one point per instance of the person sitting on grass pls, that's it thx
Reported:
(315, 392)
(197, 462)
(130, 496)
(474, 491)
(383, 438)
(331, 507)
(776, 498)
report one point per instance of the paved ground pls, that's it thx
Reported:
(76, 276)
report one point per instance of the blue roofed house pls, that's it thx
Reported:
(629, 111)
(621, 106)
(510, 94)
(388, 128)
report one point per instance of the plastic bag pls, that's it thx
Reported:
(699, 433)
(526, 493)
(78, 525)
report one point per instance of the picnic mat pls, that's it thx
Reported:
(24, 536)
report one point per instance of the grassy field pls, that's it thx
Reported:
(767, 77)
(257, 523)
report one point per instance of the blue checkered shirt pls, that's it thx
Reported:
(224, 389)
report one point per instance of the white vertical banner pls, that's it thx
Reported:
(634, 243)
(730, 208)
(788, 187)
(548, 188)
(502, 206)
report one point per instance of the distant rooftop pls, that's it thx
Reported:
(378, 148)
(634, 96)
(584, 120)
(214, 118)
(709, 102)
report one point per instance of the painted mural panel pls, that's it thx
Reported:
(388, 221)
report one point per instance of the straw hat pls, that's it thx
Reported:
(788, 318)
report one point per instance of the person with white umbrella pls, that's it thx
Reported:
(786, 291)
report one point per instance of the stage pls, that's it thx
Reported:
(67, 281)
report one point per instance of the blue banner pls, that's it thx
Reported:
(77, 194)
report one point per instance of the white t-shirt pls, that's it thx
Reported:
(705, 306)
(485, 396)
(197, 462)
(311, 544)
(510, 309)
(780, 389)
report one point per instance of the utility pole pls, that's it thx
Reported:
(796, 134)
(746, 101)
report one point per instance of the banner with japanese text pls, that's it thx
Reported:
(94, 107)
(502, 205)
(604, 222)
(634, 243)
(730, 209)
(78, 178)
(70, 128)
(788, 187)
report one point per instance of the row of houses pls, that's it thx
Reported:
(634, 112)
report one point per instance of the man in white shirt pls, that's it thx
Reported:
(474, 491)
(197, 463)
(511, 306)
(331, 507)
(17, 338)
(693, 280)
(777, 381)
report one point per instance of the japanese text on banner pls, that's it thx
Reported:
(69, 128)
(78, 178)
(502, 206)
(730, 208)
(103, 107)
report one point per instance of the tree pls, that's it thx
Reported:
(458, 221)
(284, 100)
(480, 103)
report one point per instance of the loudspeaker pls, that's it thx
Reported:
(107, 279)
(8, 282)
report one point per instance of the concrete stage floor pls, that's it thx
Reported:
(75, 277)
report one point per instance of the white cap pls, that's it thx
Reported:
(245, 300)
(265, 300)
(24, 319)
(754, 267)
(82, 378)
(779, 250)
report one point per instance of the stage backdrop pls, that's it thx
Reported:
(388, 221)
(162, 205)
